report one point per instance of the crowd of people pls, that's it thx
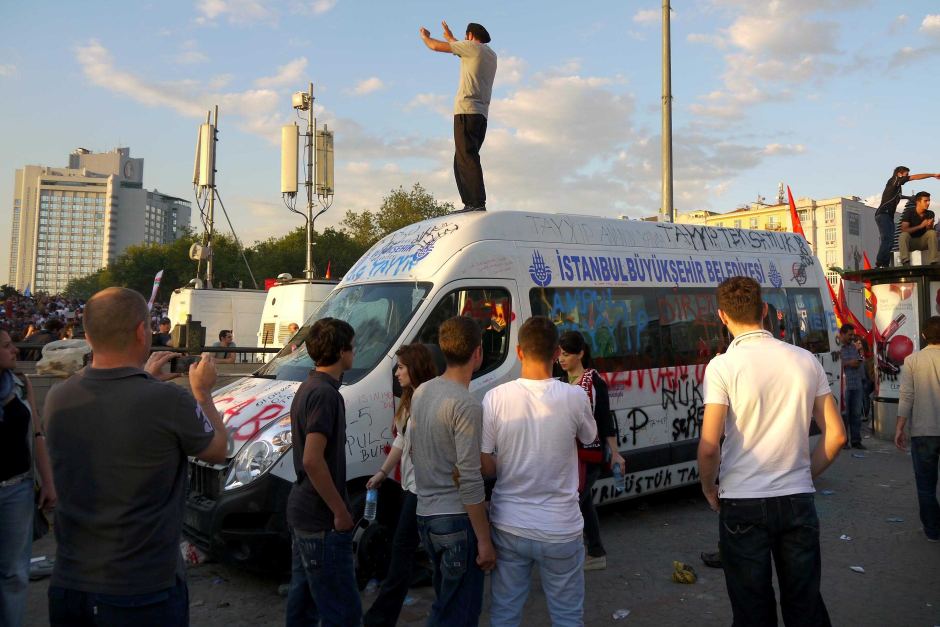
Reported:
(541, 441)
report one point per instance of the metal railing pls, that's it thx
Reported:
(243, 354)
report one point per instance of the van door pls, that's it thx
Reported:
(493, 303)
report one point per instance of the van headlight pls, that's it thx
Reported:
(259, 455)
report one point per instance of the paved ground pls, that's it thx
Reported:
(899, 587)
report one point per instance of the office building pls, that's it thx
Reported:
(69, 222)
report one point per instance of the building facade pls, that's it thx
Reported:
(69, 222)
(839, 231)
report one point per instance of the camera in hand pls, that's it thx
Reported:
(183, 363)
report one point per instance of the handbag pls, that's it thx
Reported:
(592, 453)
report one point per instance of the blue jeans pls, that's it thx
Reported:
(458, 581)
(561, 568)
(16, 544)
(886, 232)
(387, 606)
(786, 528)
(925, 452)
(323, 580)
(165, 608)
(852, 417)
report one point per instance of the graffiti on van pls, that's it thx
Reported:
(399, 252)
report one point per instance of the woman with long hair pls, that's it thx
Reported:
(22, 445)
(415, 366)
(575, 360)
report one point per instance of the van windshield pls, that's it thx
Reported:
(377, 311)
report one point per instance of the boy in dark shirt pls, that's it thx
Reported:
(323, 581)
(917, 232)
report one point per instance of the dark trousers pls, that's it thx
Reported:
(886, 232)
(323, 580)
(469, 133)
(458, 581)
(387, 606)
(852, 416)
(165, 608)
(925, 453)
(783, 531)
(592, 527)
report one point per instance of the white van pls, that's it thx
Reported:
(238, 310)
(290, 301)
(643, 293)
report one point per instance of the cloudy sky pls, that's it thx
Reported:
(825, 95)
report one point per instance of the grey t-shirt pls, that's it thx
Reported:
(220, 345)
(446, 425)
(477, 71)
(119, 441)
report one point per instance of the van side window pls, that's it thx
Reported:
(490, 307)
(779, 321)
(811, 327)
(637, 328)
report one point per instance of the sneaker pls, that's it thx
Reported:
(595, 563)
(860, 446)
(712, 560)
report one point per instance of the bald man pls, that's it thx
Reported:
(119, 437)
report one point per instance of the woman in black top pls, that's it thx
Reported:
(575, 360)
(19, 429)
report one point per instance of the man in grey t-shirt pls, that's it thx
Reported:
(446, 425)
(471, 106)
(119, 439)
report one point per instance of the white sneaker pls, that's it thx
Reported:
(595, 563)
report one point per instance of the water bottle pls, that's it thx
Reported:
(372, 503)
(619, 483)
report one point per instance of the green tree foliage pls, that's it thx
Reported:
(399, 209)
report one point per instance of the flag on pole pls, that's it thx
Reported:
(794, 216)
(871, 301)
(327, 276)
(156, 286)
(836, 309)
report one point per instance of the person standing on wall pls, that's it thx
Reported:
(917, 410)
(530, 426)
(445, 444)
(323, 576)
(415, 366)
(471, 106)
(884, 215)
(575, 360)
(765, 500)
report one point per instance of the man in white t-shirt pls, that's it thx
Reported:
(762, 395)
(529, 431)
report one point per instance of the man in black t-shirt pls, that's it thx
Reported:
(323, 578)
(884, 215)
(917, 232)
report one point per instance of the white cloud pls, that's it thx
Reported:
(776, 150)
(289, 74)
(367, 86)
(647, 16)
(190, 54)
(7, 70)
(256, 110)
(511, 70)
(235, 11)
(319, 7)
(438, 103)
(931, 25)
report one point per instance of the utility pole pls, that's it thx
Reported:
(213, 126)
(667, 210)
(309, 272)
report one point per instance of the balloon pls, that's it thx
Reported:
(899, 347)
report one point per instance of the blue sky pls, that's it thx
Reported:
(825, 95)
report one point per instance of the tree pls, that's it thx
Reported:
(399, 209)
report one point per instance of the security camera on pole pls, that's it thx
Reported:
(319, 161)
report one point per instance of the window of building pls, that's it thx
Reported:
(753, 223)
(773, 223)
(830, 258)
(830, 214)
(737, 224)
(830, 235)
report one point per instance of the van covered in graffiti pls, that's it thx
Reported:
(642, 293)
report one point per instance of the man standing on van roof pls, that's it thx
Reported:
(884, 215)
(765, 500)
(917, 230)
(119, 440)
(471, 106)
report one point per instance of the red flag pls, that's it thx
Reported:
(871, 301)
(327, 270)
(849, 316)
(836, 309)
(794, 216)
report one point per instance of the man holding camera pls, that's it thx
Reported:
(120, 437)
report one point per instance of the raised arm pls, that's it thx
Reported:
(434, 44)
(917, 177)
(449, 36)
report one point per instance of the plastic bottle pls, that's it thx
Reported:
(372, 504)
(619, 482)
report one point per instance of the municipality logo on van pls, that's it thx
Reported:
(539, 271)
